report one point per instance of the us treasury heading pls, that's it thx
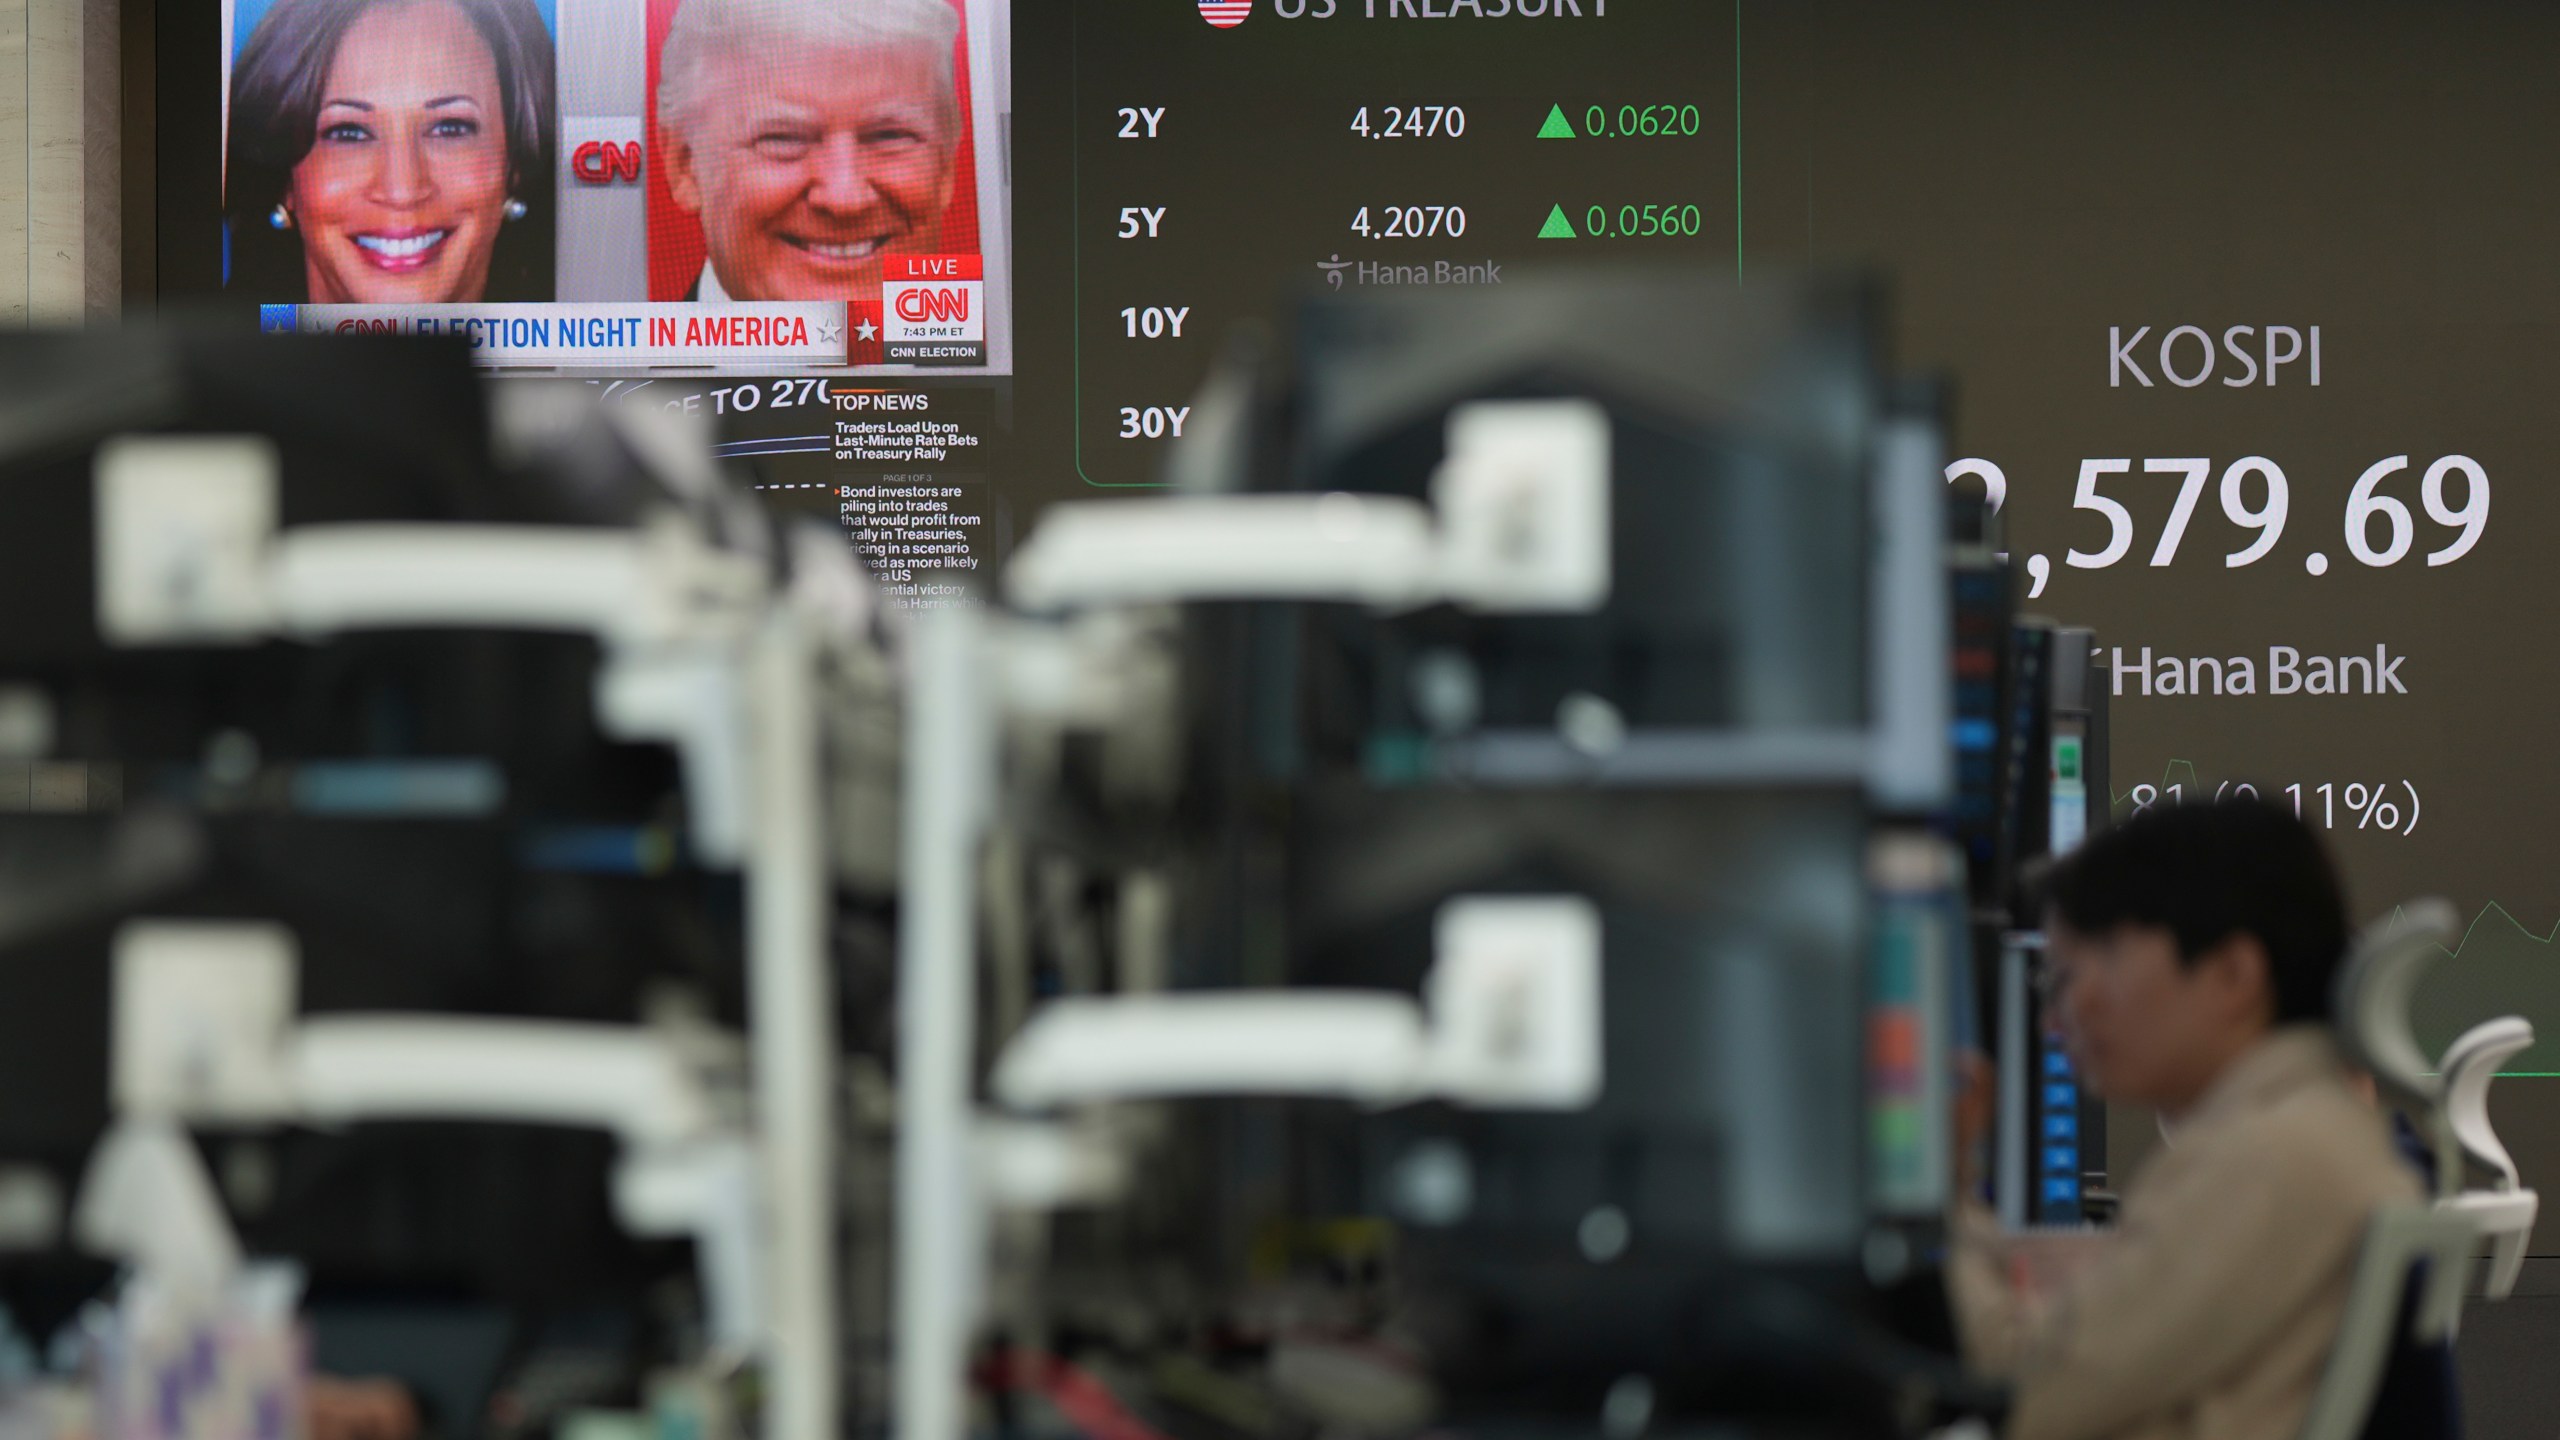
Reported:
(1446, 9)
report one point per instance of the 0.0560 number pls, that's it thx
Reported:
(1642, 221)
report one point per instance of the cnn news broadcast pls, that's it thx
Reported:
(756, 187)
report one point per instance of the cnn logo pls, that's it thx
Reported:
(935, 306)
(602, 162)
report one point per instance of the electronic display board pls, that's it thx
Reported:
(2249, 312)
(2247, 308)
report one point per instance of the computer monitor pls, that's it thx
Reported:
(1691, 756)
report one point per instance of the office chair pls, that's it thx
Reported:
(2504, 1212)
(2402, 1309)
(2450, 1100)
(2374, 989)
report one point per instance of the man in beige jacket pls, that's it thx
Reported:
(2192, 955)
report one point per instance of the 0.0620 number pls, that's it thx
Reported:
(1409, 222)
(1641, 120)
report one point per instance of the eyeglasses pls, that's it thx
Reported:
(2050, 976)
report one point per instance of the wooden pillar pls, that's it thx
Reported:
(13, 164)
(61, 253)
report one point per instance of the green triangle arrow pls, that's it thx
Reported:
(1557, 127)
(1557, 227)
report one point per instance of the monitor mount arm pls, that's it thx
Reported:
(1519, 523)
(702, 651)
(205, 1034)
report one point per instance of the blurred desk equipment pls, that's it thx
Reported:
(336, 654)
(1511, 728)
(1455, 916)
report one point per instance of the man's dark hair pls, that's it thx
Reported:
(2206, 872)
(276, 89)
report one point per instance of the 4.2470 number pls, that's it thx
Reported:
(1411, 122)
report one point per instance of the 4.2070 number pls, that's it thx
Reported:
(1409, 222)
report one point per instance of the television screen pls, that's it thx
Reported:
(804, 186)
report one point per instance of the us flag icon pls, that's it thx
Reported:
(1225, 14)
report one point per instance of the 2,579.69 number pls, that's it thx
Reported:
(2378, 527)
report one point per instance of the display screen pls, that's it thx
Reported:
(763, 186)
(929, 264)
(2246, 309)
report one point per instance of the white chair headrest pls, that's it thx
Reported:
(2375, 988)
(2469, 1065)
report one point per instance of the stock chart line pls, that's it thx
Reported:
(2511, 930)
